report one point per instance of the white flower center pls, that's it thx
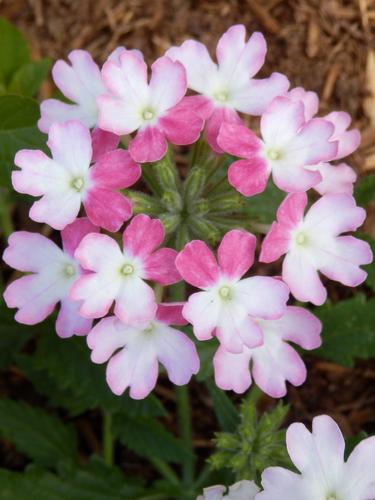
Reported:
(301, 238)
(127, 270)
(221, 95)
(69, 270)
(225, 292)
(78, 184)
(149, 329)
(274, 154)
(148, 114)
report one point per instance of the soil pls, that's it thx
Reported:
(327, 46)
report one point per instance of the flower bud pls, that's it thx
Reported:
(194, 183)
(144, 203)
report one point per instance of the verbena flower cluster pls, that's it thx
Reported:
(120, 126)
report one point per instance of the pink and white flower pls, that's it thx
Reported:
(227, 305)
(81, 82)
(119, 275)
(289, 145)
(53, 272)
(324, 475)
(242, 490)
(275, 361)
(314, 243)
(229, 86)
(134, 351)
(66, 181)
(335, 178)
(157, 111)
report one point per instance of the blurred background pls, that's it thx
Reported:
(327, 46)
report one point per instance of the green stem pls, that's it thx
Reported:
(186, 432)
(165, 470)
(108, 441)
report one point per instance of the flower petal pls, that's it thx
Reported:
(299, 326)
(72, 234)
(107, 209)
(103, 142)
(348, 140)
(336, 179)
(281, 121)
(215, 121)
(105, 338)
(198, 75)
(249, 177)
(232, 372)
(202, 311)
(69, 322)
(167, 84)
(197, 264)
(310, 100)
(148, 145)
(135, 302)
(262, 296)
(238, 140)
(174, 124)
(171, 313)
(56, 209)
(96, 292)
(143, 236)
(236, 253)
(160, 267)
(98, 252)
(177, 353)
(292, 179)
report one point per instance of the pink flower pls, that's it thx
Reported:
(319, 456)
(228, 87)
(227, 304)
(134, 351)
(314, 243)
(81, 82)
(156, 110)
(67, 180)
(336, 179)
(340, 178)
(275, 361)
(242, 490)
(289, 145)
(53, 272)
(119, 275)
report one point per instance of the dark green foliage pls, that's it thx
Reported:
(348, 330)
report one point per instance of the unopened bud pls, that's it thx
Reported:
(170, 222)
(203, 229)
(144, 203)
(194, 183)
(172, 201)
(226, 203)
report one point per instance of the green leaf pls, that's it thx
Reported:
(28, 79)
(364, 191)
(39, 435)
(62, 370)
(18, 118)
(14, 51)
(13, 336)
(262, 207)
(148, 438)
(225, 410)
(94, 482)
(370, 268)
(206, 351)
(348, 330)
(351, 442)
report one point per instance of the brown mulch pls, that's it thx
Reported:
(324, 45)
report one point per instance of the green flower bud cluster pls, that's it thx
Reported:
(201, 206)
(255, 444)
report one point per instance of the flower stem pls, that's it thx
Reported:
(185, 429)
(108, 442)
(165, 470)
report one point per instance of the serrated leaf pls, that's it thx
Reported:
(14, 51)
(225, 410)
(29, 77)
(364, 191)
(348, 330)
(149, 438)
(18, 118)
(262, 207)
(40, 436)
(94, 482)
(62, 370)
